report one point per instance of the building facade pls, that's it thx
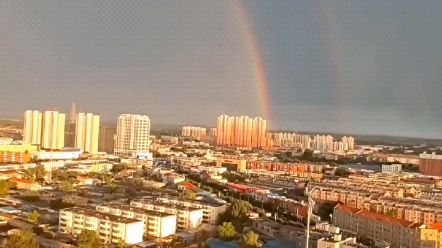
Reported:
(110, 228)
(241, 131)
(32, 127)
(53, 130)
(86, 132)
(132, 137)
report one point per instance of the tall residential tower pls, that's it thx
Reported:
(132, 137)
(241, 131)
(53, 130)
(32, 127)
(87, 131)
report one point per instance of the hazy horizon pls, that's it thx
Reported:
(332, 66)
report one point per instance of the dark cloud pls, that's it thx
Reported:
(344, 66)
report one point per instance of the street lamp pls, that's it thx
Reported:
(310, 205)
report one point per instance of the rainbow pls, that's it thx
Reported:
(255, 59)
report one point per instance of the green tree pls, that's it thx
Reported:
(189, 194)
(68, 201)
(112, 187)
(12, 184)
(33, 216)
(66, 187)
(22, 239)
(30, 173)
(60, 175)
(121, 244)
(4, 187)
(226, 231)
(250, 240)
(88, 239)
(31, 196)
(40, 173)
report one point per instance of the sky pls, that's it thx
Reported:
(356, 67)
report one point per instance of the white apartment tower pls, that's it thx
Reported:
(132, 136)
(86, 132)
(32, 127)
(53, 130)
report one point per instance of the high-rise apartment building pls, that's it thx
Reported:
(196, 132)
(132, 138)
(241, 131)
(32, 127)
(53, 130)
(86, 132)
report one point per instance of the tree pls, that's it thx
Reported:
(250, 240)
(112, 187)
(31, 196)
(12, 184)
(30, 174)
(226, 231)
(40, 173)
(88, 239)
(121, 244)
(22, 239)
(4, 187)
(33, 216)
(66, 187)
(189, 194)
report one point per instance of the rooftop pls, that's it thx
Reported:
(101, 216)
(136, 210)
(166, 205)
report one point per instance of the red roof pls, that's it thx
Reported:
(303, 211)
(373, 215)
(20, 180)
(437, 226)
(347, 208)
(187, 185)
(8, 172)
(385, 218)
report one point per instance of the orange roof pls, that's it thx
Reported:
(347, 208)
(437, 226)
(385, 218)
(187, 185)
(8, 172)
(20, 180)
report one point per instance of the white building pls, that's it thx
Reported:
(156, 224)
(86, 132)
(110, 228)
(132, 137)
(53, 130)
(62, 154)
(210, 210)
(212, 169)
(395, 168)
(32, 127)
(187, 218)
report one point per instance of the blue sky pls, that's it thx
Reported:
(368, 67)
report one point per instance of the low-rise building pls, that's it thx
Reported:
(110, 228)
(210, 210)
(187, 218)
(25, 184)
(394, 168)
(155, 224)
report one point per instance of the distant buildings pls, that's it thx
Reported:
(395, 168)
(241, 131)
(196, 132)
(320, 143)
(87, 131)
(132, 138)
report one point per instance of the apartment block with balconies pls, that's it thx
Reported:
(155, 224)
(210, 210)
(110, 228)
(188, 218)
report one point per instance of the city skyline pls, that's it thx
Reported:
(363, 68)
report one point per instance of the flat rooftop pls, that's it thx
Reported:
(101, 216)
(166, 205)
(192, 201)
(136, 210)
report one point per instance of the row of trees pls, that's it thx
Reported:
(227, 232)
